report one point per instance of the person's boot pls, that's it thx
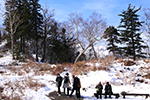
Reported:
(67, 91)
(64, 92)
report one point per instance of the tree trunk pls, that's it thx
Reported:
(82, 53)
(95, 54)
(12, 46)
(37, 50)
(44, 49)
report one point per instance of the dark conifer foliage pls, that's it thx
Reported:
(112, 36)
(130, 33)
(62, 47)
(24, 30)
(36, 23)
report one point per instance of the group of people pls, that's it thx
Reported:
(108, 90)
(76, 85)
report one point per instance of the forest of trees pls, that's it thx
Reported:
(31, 29)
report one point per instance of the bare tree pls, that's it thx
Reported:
(146, 26)
(93, 29)
(14, 21)
(87, 32)
(47, 21)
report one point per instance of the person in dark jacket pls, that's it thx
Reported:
(108, 90)
(99, 88)
(58, 83)
(76, 86)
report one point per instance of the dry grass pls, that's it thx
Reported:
(120, 60)
(19, 86)
(146, 60)
(78, 68)
(128, 63)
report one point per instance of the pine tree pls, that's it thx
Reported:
(36, 22)
(112, 36)
(24, 30)
(61, 46)
(130, 33)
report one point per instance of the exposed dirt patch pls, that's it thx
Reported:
(54, 96)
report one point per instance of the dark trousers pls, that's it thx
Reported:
(77, 92)
(99, 93)
(59, 90)
(107, 93)
(67, 91)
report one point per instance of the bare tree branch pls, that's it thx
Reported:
(87, 32)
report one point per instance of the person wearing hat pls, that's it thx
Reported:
(66, 84)
(108, 90)
(58, 83)
(99, 88)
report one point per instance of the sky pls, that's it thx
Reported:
(109, 9)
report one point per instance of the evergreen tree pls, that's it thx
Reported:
(24, 30)
(130, 33)
(36, 22)
(112, 36)
(61, 46)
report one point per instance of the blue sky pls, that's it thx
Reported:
(108, 8)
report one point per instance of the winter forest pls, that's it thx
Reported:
(36, 42)
(30, 29)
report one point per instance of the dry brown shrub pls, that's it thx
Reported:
(128, 63)
(147, 76)
(120, 60)
(146, 60)
(78, 70)
(94, 61)
(57, 69)
(80, 63)
(13, 69)
(20, 73)
(117, 74)
(141, 68)
(94, 68)
(109, 59)
(33, 84)
(122, 64)
(68, 65)
(103, 64)
(100, 68)
(1, 72)
(46, 67)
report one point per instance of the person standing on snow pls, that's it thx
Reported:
(58, 83)
(99, 88)
(76, 86)
(66, 84)
(108, 90)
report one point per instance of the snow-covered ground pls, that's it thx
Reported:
(122, 78)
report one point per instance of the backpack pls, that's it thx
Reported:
(59, 81)
(76, 82)
(66, 79)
